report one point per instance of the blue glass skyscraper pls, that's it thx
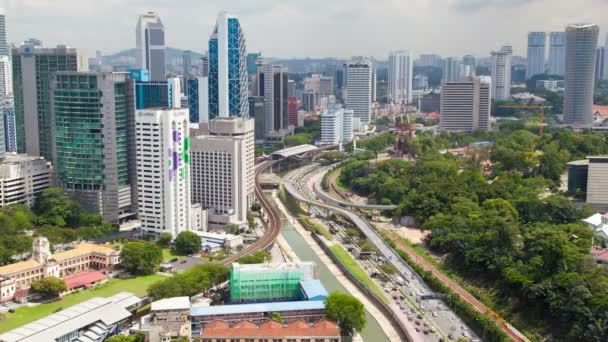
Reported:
(228, 81)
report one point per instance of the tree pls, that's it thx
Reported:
(256, 207)
(53, 207)
(49, 286)
(165, 239)
(190, 282)
(140, 257)
(139, 337)
(187, 242)
(255, 258)
(347, 311)
(276, 316)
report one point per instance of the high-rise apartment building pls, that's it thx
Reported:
(150, 43)
(163, 170)
(90, 115)
(33, 67)
(228, 79)
(536, 54)
(359, 89)
(6, 76)
(400, 76)
(451, 69)
(557, 53)
(198, 99)
(8, 117)
(223, 170)
(292, 111)
(175, 92)
(581, 45)
(336, 125)
(272, 85)
(501, 73)
(465, 105)
(4, 46)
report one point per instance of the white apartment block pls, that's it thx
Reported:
(6, 76)
(400, 76)
(22, 178)
(465, 105)
(163, 170)
(501, 73)
(336, 125)
(359, 89)
(223, 170)
(175, 92)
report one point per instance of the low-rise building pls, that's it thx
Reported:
(225, 240)
(22, 178)
(296, 331)
(169, 319)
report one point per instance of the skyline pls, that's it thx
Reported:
(268, 22)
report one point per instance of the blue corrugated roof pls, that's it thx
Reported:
(256, 307)
(313, 288)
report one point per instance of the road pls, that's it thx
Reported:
(300, 183)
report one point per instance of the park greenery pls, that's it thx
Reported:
(140, 257)
(191, 282)
(510, 230)
(139, 337)
(49, 286)
(258, 257)
(54, 216)
(187, 242)
(347, 311)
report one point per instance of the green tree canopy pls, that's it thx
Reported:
(140, 257)
(49, 286)
(347, 311)
(187, 242)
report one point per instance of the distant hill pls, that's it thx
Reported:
(127, 57)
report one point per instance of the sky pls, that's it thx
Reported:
(306, 28)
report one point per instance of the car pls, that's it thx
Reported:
(417, 329)
(417, 322)
(183, 261)
(434, 314)
(410, 318)
(173, 260)
(419, 316)
(11, 310)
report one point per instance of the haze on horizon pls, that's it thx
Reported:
(311, 28)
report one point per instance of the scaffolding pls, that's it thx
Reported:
(268, 282)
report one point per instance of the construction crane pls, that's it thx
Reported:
(541, 107)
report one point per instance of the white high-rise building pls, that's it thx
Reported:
(557, 52)
(223, 170)
(581, 45)
(150, 43)
(6, 76)
(536, 54)
(175, 92)
(501, 73)
(22, 178)
(163, 170)
(336, 125)
(4, 46)
(359, 89)
(451, 69)
(400, 76)
(465, 105)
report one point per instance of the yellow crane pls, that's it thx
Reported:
(541, 107)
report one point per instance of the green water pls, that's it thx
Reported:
(372, 331)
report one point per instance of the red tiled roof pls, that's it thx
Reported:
(600, 254)
(270, 329)
(84, 279)
(600, 110)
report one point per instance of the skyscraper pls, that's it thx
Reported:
(557, 49)
(228, 81)
(465, 105)
(359, 89)
(163, 170)
(336, 125)
(8, 116)
(536, 54)
(90, 115)
(186, 63)
(6, 76)
(451, 69)
(223, 170)
(272, 85)
(4, 48)
(150, 42)
(581, 44)
(468, 66)
(205, 65)
(600, 61)
(400, 70)
(605, 74)
(32, 70)
(501, 73)
(198, 99)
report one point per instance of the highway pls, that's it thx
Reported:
(299, 184)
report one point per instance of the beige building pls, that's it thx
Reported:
(21, 178)
(169, 319)
(597, 182)
(84, 257)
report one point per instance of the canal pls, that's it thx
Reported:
(372, 331)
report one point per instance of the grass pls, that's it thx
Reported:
(351, 264)
(169, 254)
(24, 315)
(315, 227)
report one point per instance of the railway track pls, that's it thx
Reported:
(273, 227)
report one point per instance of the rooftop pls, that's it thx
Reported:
(82, 249)
(174, 303)
(313, 289)
(83, 279)
(286, 266)
(581, 162)
(256, 307)
(295, 150)
(272, 329)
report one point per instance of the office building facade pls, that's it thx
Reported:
(336, 125)
(600, 61)
(228, 79)
(22, 178)
(4, 46)
(163, 170)
(451, 69)
(258, 112)
(581, 45)
(465, 105)
(198, 99)
(90, 115)
(468, 66)
(359, 89)
(8, 118)
(536, 54)
(501, 73)
(557, 53)
(292, 111)
(150, 45)
(223, 170)
(400, 76)
(6, 76)
(33, 67)
(272, 85)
